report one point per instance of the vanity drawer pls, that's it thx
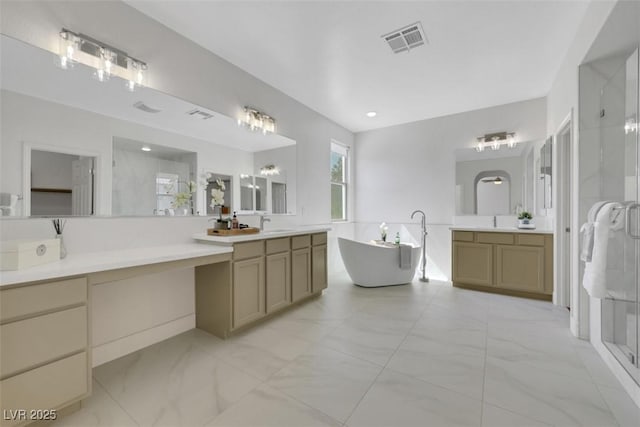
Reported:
(31, 342)
(50, 386)
(275, 246)
(498, 238)
(33, 299)
(248, 249)
(463, 236)
(319, 239)
(531, 239)
(298, 242)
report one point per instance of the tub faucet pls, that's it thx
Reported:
(263, 219)
(424, 278)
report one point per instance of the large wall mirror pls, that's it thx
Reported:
(71, 145)
(504, 181)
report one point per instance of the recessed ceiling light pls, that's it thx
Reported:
(372, 114)
(146, 148)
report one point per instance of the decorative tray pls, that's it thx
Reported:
(232, 232)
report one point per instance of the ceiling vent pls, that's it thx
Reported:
(406, 38)
(200, 114)
(144, 107)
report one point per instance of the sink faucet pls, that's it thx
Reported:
(263, 219)
(495, 222)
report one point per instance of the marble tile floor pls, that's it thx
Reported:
(412, 355)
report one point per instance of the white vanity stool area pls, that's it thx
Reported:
(59, 320)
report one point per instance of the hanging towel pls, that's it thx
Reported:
(587, 231)
(405, 257)
(607, 222)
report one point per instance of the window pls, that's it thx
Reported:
(339, 178)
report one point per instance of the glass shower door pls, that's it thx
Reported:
(620, 310)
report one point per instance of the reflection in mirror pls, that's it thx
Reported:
(493, 193)
(277, 166)
(545, 177)
(490, 182)
(260, 186)
(61, 184)
(246, 192)
(73, 113)
(150, 179)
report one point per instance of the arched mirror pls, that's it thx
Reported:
(493, 193)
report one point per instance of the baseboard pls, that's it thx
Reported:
(112, 350)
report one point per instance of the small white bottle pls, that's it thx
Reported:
(397, 241)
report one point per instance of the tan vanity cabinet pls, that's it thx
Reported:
(248, 283)
(319, 280)
(300, 267)
(518, 264)
(278, 274)
(44, 347)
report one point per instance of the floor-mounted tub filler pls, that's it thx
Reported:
(373, 264)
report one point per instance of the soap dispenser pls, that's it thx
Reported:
(234, 222)
(397, 241)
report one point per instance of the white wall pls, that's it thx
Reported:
(412, 166)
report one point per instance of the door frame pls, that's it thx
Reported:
(563, 209)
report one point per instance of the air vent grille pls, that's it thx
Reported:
(200, 114)
(144, 107)
(406, 38)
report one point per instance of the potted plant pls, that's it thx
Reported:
(524, 220)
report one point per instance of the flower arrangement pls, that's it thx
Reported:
(184, 199)
(383, 231)
(217, 194)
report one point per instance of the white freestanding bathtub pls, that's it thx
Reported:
(371, 265)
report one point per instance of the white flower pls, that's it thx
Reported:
(217, 197)
(384, 228)
(220, 183)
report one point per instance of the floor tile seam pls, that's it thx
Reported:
(348, 354)
(613, 414)
(381, 371)
(116, 401)
(210, 420)
(617, 386)
(226, 362)
(499, 406)
(588, 380)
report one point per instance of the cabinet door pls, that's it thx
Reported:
(520, 268)
(300, 273)
(278, 281)
(473, 263)
(319, 268)
(248, 291)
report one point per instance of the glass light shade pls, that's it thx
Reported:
(67, 50)
(495, 144)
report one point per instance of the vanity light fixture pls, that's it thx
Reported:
(257, 121)
(372, 114)
(269, 170)
(107, 60)
(495, 141)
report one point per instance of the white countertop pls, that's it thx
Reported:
(501, 229)
(92, 262)
(267, 234)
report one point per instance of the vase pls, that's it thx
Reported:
(63, 248)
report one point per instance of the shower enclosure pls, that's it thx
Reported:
(610, 170)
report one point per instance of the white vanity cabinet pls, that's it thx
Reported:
(45, 361)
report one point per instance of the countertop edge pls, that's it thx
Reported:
(229, 240)
(94, 262)
(501, 230)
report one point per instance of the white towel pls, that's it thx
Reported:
(607, 223)
(587, 231)
(405, 257)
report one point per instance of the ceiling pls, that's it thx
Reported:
(330, 56)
